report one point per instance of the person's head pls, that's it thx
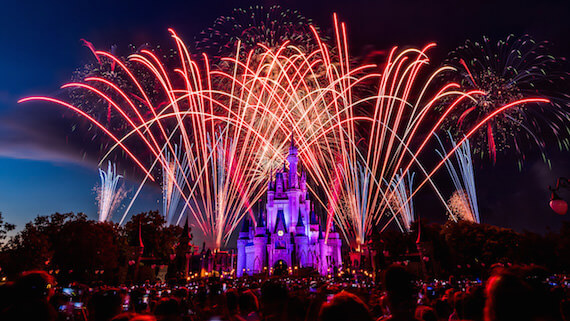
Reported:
(401, 290)
(470, 305)
(167, 309)
(29, 298)
(442, 309)
(104, 305)
(232, 300)
(181, 293)
(508, 298)
(297, 308)
(274, 297)
(247, 302)
(345, 306)
(426, 313)
(139, 300)
(35, 285)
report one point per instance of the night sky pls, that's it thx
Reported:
(40, 173)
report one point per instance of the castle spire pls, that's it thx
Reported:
(293, 160)
(280, 222)
(300, 228)
(245, 226)
(300, 220)
(292, 148)
(313, 216)
(260, 221)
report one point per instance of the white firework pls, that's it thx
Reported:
(172, 177)
(461, 171)
(401, 200)
(109, 193)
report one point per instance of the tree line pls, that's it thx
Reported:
(74, 248)
(470, 249)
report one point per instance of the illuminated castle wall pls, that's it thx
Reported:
(288, 231)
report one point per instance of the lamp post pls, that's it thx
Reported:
(557, 204)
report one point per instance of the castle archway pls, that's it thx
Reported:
(280, 268)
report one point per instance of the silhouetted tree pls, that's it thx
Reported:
(5, 227)
(159, 240)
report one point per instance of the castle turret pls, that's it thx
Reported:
(303, 184)
(313, 225)
(260, 228)
(293, 160)
(259, 245)
(241, 243)
(323, 252)
(334, 242)
(279, 184)
(300, 227)
(285, 177)
(270, 192)
(244, 232)
(301, 242)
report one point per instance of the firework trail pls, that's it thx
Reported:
(403, 188)
(393, 121)
(507, 71)
(464, 199)
(233, 121)
(109, 194)
(170, 195)
(355, 201)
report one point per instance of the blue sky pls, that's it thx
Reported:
(30, 188)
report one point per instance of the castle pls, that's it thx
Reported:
(288, 233)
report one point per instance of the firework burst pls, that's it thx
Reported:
(507, 71)
(270, 26)
(233, 122)
(460, 207)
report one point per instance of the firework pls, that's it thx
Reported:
(464, 199)
(508, 71)
(460, 207)
(401, 199)
(387, 154)
(233, 124)
(270, 26)
(109, 193)
(173, 175)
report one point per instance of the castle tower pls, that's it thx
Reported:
(293, 160)
(241, 243)
(259, 245)
(301, 242)
(334, 243)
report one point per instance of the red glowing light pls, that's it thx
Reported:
(559, 206)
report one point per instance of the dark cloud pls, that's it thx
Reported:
(38, 131)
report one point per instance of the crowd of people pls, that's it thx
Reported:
(507, 294)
